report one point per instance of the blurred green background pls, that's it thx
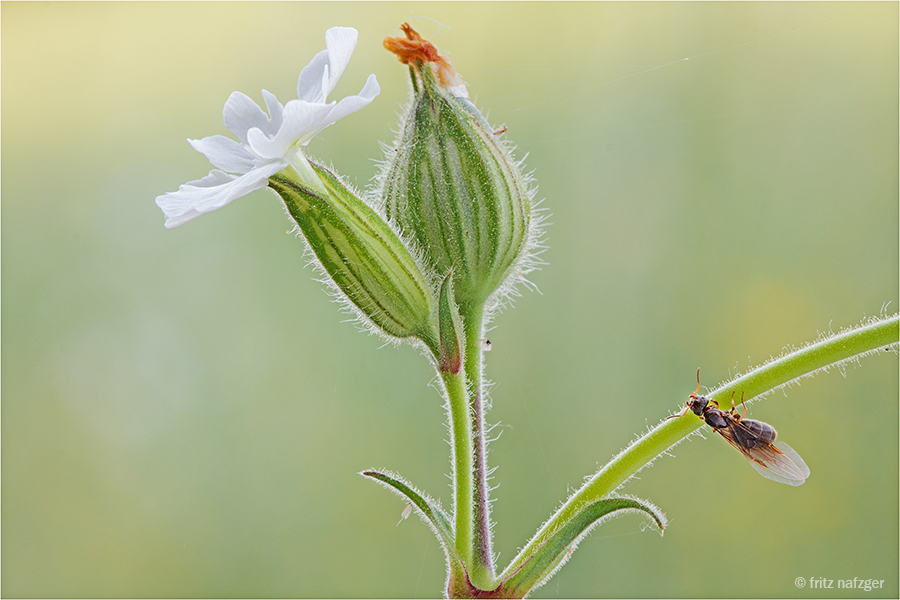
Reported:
(185, 411)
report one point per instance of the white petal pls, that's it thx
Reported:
(340, 41)
(301, 121)
(241, 113)
(276, 111)
(224, 153)
(319, 77)
(309, 85)
(213, 191)
(351, 104)
(179, 206)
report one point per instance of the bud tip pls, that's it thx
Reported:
(413, 49)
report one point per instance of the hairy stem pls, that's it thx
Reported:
(460, 429)
(829, 352)
(482, 572)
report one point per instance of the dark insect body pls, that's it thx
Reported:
(754, 439)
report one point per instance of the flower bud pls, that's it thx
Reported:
(451, 185)
(361, 254)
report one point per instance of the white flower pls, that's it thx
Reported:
(270, 143)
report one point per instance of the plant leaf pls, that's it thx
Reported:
(558, 548)
(429, 510)
(450, 328)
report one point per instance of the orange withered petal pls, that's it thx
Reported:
(413, 49)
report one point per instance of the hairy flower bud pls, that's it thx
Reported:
(361, 254)
(451, 185)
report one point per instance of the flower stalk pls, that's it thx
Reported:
(463, 471)
(463, 385)
(483, 575)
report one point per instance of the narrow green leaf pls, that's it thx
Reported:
(430, 511)
(552, 554)
(450, 328)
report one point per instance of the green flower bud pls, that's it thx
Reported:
(362, 255)
(452, 186)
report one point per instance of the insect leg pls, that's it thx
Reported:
(681, 415)
(742, 404)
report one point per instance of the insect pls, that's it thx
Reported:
(406, 512)
(754, 439)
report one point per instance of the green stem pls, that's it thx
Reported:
(482, 569)
(461, 430)
(833, 351)
(472, 510)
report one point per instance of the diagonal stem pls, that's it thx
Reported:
(833, 351)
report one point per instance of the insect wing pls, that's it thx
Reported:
(778, 462)
(787, 467)
(756, 432)
(406, 512)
